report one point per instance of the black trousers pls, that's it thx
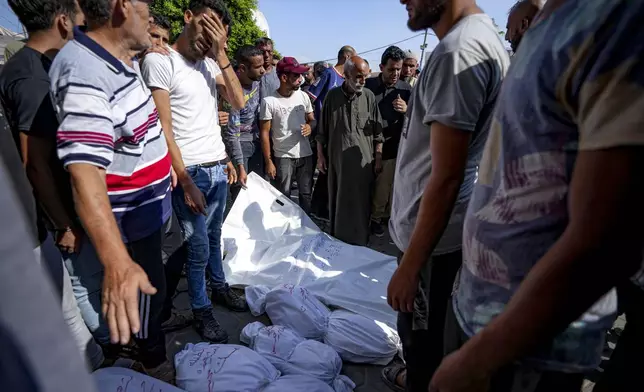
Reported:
(147, 253)
(623, 371)
(423, 348)
(298, 169)
(516, 377)
(174, 254)
(320, 196)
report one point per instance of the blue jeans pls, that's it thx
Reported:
(49, 256)
(86, 273)
(203, 233)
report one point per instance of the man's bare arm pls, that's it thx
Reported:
(449, 148)
(195, 199)
(228, 84)
(123, 277)
(601, 246)
(265, 132)
(95, 211)
(162, 101)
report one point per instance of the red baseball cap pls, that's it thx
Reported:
(290, 65)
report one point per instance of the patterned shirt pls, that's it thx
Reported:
(575, 84)
(108, 119)
(329, 80)
(243, 125)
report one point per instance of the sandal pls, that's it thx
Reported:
(390, 376)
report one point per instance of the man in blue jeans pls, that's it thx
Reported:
(242, 138)
(185, 85)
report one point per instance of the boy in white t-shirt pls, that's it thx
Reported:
(185, 85)
(285, 117)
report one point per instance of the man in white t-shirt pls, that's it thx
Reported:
(286, 115)
(185, 85)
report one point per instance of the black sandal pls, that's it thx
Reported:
(390, 376)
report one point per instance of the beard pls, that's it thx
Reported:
(354, 87)
(198, 49)
(426, 15)
(515, 44)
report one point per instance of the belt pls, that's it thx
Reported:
(221, 162)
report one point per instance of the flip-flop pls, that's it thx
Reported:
(390, 374)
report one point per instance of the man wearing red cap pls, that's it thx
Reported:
(286, 115)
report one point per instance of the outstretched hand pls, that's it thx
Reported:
(121, 285)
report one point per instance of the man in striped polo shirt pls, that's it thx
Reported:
(112, 144)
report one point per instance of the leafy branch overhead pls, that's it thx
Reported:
(244, 30)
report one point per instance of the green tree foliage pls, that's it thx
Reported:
(244, 30)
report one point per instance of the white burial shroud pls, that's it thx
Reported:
(269, 240)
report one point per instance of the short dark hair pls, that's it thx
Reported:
(318, 68)
(345, 50)
(38, 15)
(392, 53)
(245, 53)
(97, 12)
(264, 41)
(218, 7)
(161, 21)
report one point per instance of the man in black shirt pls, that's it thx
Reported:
(24, 94)
(392, 95)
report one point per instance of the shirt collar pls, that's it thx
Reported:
(100, 51)
(384, 85)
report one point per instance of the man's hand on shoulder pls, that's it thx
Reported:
(162, 50)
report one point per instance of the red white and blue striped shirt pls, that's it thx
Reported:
(108, 119)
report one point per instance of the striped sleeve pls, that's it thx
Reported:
(86, 130)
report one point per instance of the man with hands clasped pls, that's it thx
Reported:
(185, 85)
(286, 115)
(392, 94)
(350, 133)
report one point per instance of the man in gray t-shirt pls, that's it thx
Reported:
(446, 128)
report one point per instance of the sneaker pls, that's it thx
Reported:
(177, 321)
(377, 229)
(229, 299)
(164, 372)
(208, 327)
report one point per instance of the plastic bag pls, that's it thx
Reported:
(361, 340)
(256, 299)
(293, 355)
(270, 340)
(297, 384)
(207, 367)
(296, 308)
(118, 379)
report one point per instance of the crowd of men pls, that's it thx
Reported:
(511, 192)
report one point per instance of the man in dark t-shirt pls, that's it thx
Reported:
(392, 94)
(30, 138)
